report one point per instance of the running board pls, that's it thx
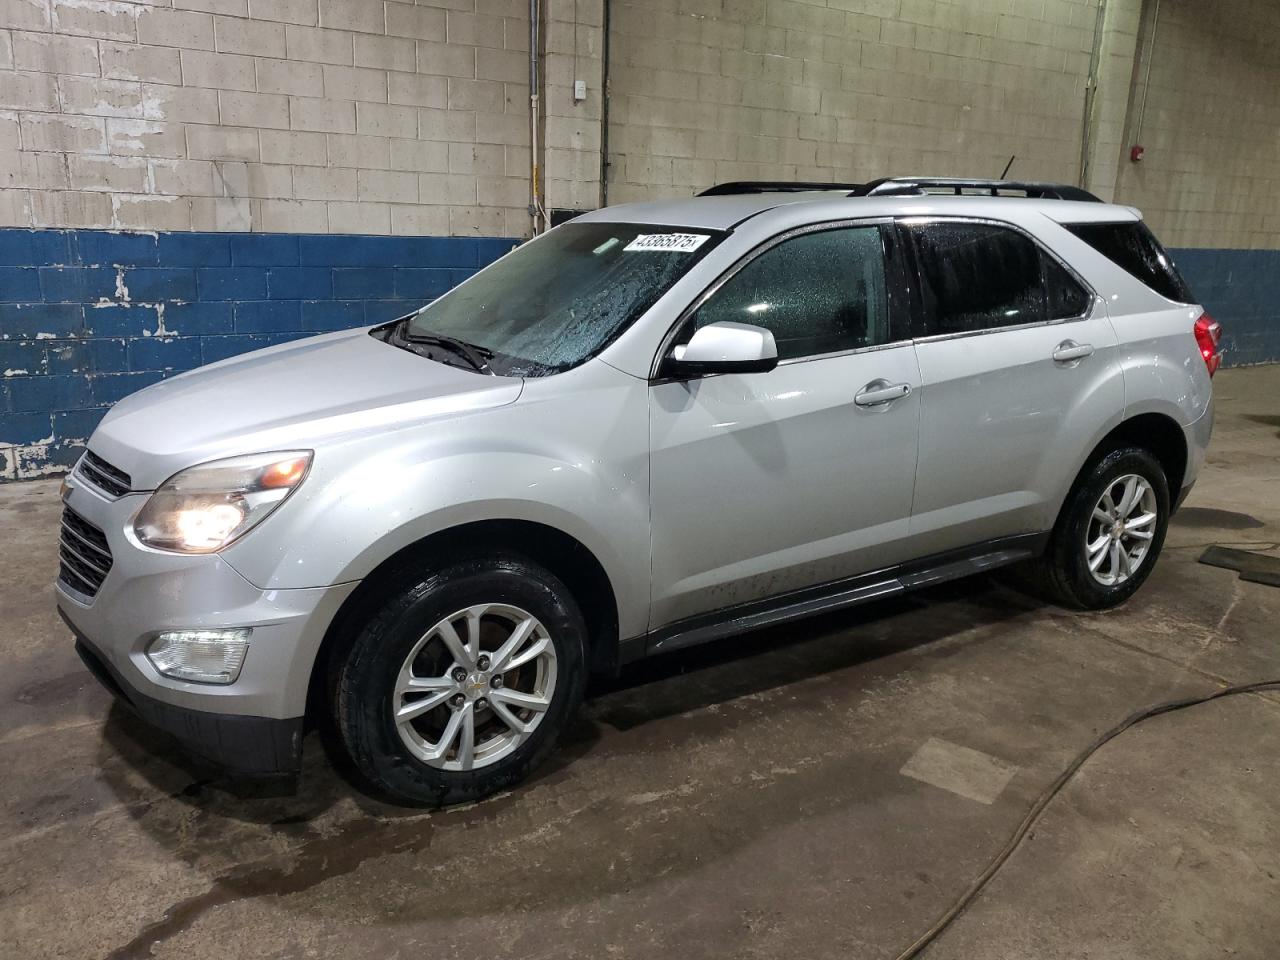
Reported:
(793, 610)
(963, 568)
(838, 595)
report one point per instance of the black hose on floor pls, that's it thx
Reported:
(1052, 791)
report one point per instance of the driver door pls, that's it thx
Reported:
(764, 483)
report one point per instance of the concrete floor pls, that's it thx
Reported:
(817, 791)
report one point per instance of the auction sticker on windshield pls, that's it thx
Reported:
(668, 242)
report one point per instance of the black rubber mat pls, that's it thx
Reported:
(1254, 567)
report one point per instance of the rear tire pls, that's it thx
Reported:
(1109, 532)
(459, 685)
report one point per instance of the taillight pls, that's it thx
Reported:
(1208, 334)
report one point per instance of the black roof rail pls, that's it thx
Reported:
(921, 186)
(910, 187)
(774, 186)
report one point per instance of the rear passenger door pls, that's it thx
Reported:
(1019, 373)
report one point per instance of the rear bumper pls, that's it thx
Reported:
(260, 746)
(1197, 434)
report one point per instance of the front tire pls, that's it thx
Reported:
(1109, 533)
(460, 684)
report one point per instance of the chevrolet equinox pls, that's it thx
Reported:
(656, 425)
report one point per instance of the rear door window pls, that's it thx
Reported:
(1134, 248)
(983, 276)
(1067, 298)
(977, 276)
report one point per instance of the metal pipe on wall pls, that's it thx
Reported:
(1146, 79)
(537, 212)
(604, 106)
(1091, 93)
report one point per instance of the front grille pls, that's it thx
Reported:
(84, 559)
(103, 475)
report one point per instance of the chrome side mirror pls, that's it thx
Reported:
(723, 348)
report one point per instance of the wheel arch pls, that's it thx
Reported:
(563, 555)
(1156, 432)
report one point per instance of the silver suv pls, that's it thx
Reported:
(654, 426)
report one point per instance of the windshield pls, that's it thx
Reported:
(558, 300)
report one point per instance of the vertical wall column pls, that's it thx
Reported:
(1117, 53)
(573, 43)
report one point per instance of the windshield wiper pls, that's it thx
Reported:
(476, 357)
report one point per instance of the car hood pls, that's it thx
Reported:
(293, 396)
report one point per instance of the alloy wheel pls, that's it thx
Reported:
(475, 686)
(1120, 530)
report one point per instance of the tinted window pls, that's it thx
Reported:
(975, 276)
(558, 300)
(1133, 248)
(820, 292)
(1066, 297)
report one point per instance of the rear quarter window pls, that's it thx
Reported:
(1134, 248)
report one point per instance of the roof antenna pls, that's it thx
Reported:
(1012, 157)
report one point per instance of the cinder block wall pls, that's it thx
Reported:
(90, 316)
(714, 90)
(351, 116)
(1209, 182)
(206, 123)
(1210, 122)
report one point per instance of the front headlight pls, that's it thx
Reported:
(204, 508)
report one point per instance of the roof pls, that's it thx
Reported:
(708, 213)
(726, 212)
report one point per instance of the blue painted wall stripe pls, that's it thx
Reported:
(90, 316)
(1241, 289)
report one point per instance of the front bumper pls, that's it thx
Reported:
(259, 746)
(147, 591)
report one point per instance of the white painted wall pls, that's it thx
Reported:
(1211, 127)
(369, 116)
(714, 90)
(386, 116)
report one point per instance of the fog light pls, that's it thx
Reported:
(201, 656)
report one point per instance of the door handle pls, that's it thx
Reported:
(1068, 351)
(878, 392)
